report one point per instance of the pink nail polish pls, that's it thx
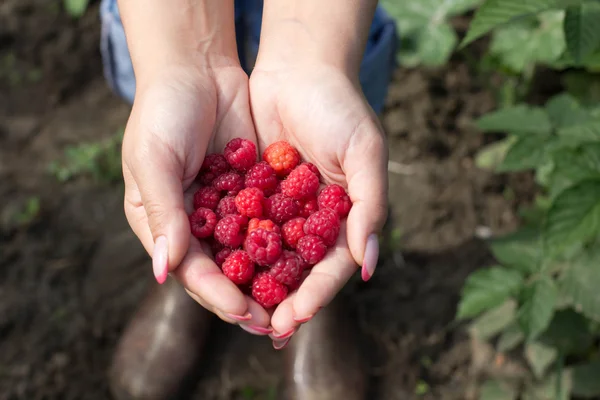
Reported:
(160, 259)
(284, 335)
(241, 318)
(370, 258)
(280, 345)
(303, 320)
(256, 330)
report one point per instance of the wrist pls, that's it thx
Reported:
(307, 32)
(180, 33)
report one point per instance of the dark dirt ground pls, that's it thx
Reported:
(72, 275)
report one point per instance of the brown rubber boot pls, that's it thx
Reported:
(160, 346)
(323, 360)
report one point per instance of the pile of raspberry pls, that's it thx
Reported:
(268, 222)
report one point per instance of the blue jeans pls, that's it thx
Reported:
(375, 74)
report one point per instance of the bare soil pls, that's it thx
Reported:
(72, 275)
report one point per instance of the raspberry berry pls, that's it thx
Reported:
(311, 248)
(264, 247)
(226, 206)
(207, 197)
(282, 157)
(230, 182)
(202, 222)
(238, 267)
(268, 291)
(292, 231)
(335, 197)
(307, 207)
(240, 154)
(301, 183)
(230, 230)
(212, 166)
(222, 255)
(262, 176)
(249, 202)
(265, 224)
(288, 268)
(313, 168)
(324, 223)
(280, 208)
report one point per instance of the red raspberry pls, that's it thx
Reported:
(249, 202)
(288, 268)
(240, 154)
(292, 231)
(324, 223)
(202, 222)
(212, 166)
(282, 157)
(335, 197)
(230, 182)
(265, 224)
(221, 255)
(313, 168)
(262, 176)
(230, 230)
(301, 183)
(267, 291)
(307, 207)
(226, 206)
(206, 197)
(311, 248)
(264, 247)
(238, 267)
(280, 208)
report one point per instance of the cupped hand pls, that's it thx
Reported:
(323, 113)
(180, 115)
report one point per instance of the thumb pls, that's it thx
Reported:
(158, 175)
(365, 166)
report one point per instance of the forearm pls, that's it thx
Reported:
(163, 32)
(334, 32)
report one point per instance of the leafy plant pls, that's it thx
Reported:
(541, 295)
(76, 8)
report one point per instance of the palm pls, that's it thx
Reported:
(323, 115)
(191, 119)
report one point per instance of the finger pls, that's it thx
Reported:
(158, 175)
(286, 326)
(199, 274)
(365, 165)
(260, 322)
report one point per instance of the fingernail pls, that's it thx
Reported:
(256, 330)
(370, 258)
(160, 260)
(245, 317)
(280, 344)
(303, 320)
(284, 335)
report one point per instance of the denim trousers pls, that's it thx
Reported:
(376, 69)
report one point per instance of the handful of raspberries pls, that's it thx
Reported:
(269, 221)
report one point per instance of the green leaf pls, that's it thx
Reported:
(539, 357)
(494, 13)
(546, 390)
(510, 338)
(494, 321)
(586, 131)
(528, 152)
(486, 289)
(537, 40)
(492, 154)
(75, 8)
(574, 216)
(581, 29)
(521, 118)
(537, 310)
(580, 284)
(521, 250)
(497, 390)
(569, 333)
(575, 165)
(565, 111)
(585, 379)
(436, 44)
